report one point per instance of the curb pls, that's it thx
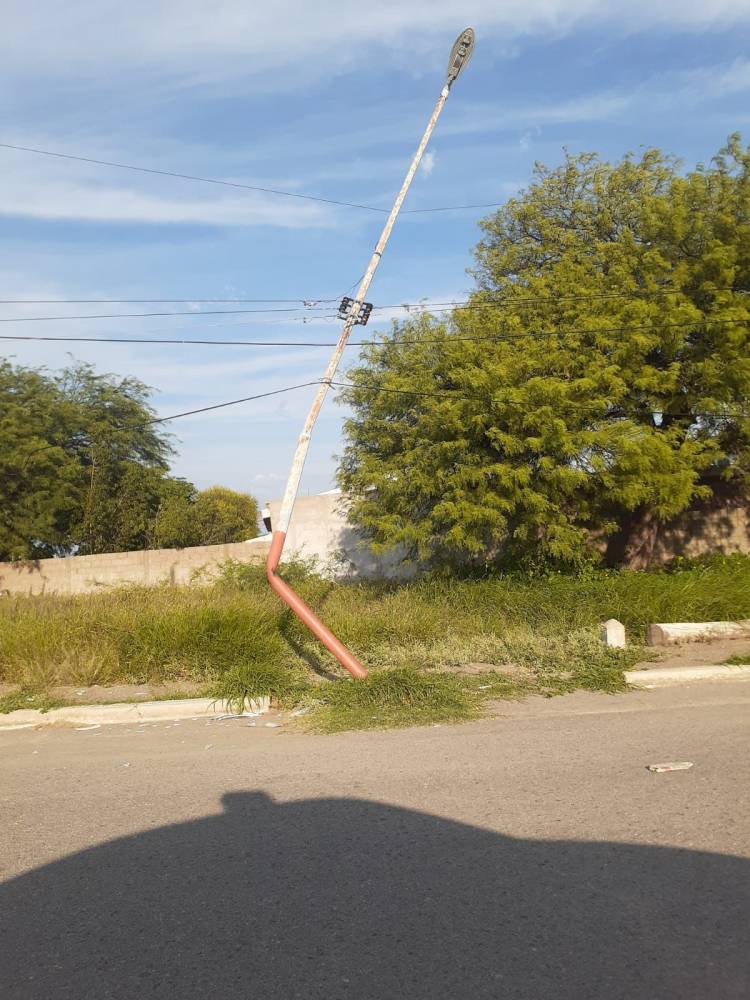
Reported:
(119, 714)
(672, 633)
(666, 676)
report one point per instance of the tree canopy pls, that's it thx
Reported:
(209, 517)
(84, 469)
(600, 369)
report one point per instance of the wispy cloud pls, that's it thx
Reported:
(428, 163)
(34, 188)
(184, 36)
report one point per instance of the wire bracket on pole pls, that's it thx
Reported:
(363, 311)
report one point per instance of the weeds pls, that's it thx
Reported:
(423, 640)
(23, 698)
(390, 698)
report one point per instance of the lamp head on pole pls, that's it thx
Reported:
(460, 54)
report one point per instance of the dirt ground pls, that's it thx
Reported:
(694, 654)
(96, 694)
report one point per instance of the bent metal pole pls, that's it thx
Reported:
(460, 55)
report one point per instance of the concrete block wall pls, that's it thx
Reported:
(319, 530)
(87, 574)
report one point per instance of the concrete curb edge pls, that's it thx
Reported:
(122, 713)
(664, 676)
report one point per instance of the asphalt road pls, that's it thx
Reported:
(529, 856)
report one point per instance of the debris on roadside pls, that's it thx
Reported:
(672, 765)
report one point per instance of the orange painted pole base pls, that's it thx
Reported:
(346, 658)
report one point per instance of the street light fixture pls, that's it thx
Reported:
(353, 312)
(462, 50)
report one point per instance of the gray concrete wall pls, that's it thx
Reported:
(86, 574)
(319, 530)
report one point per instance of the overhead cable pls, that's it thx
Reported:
(237, 184)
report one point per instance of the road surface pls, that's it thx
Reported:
(527, 856)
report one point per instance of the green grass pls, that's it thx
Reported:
(738, 661)
(403, 696)
(23, 698)
(421, 640)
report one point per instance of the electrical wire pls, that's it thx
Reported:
(221, 406)
(237, 184)
(187, 413)
(406, 342)
(449, 394)
(186, 312)
(310, 305)
(311, 302)
(469, 304)
(308, 302)
(571, 404)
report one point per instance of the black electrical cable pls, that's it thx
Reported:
(448, 339)
(237, 184)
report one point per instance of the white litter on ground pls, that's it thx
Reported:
(672, 765)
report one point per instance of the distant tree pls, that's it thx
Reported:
(210, 517)
(40, 477)
(226, 516)
(75, 448)
(84, 469)
(174, 525)
(614, 380)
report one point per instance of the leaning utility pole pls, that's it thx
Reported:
(353, 312)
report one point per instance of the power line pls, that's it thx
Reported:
(237, 184)
(220, 406)
(449, 339)
(312, 301)
(187, 413)
(309, 302)
(186, 312)
(470, 304)
(451, 394)
(180, 341)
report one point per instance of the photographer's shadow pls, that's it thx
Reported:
(346, 898)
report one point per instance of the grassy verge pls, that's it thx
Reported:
(24, 698)
(438, 648)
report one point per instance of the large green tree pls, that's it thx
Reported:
(601, 370)
(84, 469)
(71, 445)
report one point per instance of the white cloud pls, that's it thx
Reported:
(428, 164)
(276, 41)
(33, 188)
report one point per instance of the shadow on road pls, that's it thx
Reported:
(344, 898)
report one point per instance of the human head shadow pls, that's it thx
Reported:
(337, 898)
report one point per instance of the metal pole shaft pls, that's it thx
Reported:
(345, 657)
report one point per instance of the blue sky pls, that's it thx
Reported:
(326, 99)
